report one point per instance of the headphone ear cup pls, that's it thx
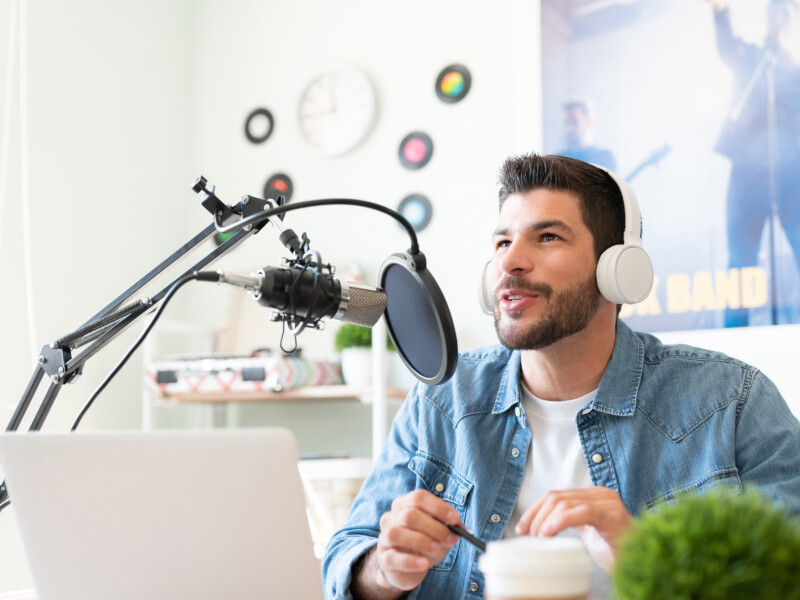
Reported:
(625, 274)
(484, 293)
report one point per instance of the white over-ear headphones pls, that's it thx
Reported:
(624, 271)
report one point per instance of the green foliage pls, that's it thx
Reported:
(711, 546)
(355, 336)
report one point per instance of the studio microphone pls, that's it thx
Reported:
(305, 295)
(416, 314)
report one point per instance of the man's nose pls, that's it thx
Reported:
(516, 260)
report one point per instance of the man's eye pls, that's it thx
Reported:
(549, 237)
(502, 243)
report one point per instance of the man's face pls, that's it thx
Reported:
(543, 270)
(576, 126)
(785, 21)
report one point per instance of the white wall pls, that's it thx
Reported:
(108, 115)
(128, 102)
(255, 53)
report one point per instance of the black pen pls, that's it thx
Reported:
(468, 536)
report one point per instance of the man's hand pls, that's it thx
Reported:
(413, 538)
(597, 513)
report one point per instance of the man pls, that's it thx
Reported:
(572, 426)
(579, 133)
(761, 137)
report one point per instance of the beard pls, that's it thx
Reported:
(565, 314)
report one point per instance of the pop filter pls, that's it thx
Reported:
(417, 318)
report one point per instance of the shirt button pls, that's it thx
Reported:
(515, 452)
(495, 518)
(597, 458)
(439, 487)
(473, 587)
(517, 411)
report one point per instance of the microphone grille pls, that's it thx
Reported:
(364, 305)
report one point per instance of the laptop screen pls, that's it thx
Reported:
(170, 514)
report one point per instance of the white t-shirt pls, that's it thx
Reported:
(555, 462)
(555, 459)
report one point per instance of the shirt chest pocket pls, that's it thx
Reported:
(441, 479)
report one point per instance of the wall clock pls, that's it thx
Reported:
(337, 110)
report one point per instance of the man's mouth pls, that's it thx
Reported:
(518, 294)
(515, 300)
(510, 298)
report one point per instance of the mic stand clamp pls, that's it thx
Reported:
(54, 362)
(292, 320)
(297, 266)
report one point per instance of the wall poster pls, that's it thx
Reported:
(697, 104)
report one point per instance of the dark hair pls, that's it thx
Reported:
(580, 104)
(599, 196)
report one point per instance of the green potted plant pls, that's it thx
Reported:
(355, 345)
(713, 546)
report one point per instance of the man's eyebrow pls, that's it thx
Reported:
(535, 227)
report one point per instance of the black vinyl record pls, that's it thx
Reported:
(415, 150)
(417, 210)
(279, 184)
(259, 125)
(453, 84)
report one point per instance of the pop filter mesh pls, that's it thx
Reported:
(411, 319)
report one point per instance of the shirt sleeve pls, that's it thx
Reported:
(734, 52)
(768, 444)
(389, 479)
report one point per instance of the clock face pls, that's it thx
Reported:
(337, 110)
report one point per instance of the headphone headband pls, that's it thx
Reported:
(624, 271)
(633, 217)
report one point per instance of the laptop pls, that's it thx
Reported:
(173, 514)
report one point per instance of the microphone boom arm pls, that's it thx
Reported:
(267, 214)
(56, 360)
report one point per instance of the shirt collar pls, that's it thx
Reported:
(508, 393)
(618, 387)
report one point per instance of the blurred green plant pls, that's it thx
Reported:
(711, 546)
(355, 336)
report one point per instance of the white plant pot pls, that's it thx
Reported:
(357, 366)
(399, 377)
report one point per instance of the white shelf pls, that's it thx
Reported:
(309, 393)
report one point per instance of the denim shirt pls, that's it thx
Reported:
(666, 420)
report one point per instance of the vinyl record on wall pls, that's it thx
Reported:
(417, 210)
(279, 184)
(259, 125)
(415, 150)
(453, 84)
